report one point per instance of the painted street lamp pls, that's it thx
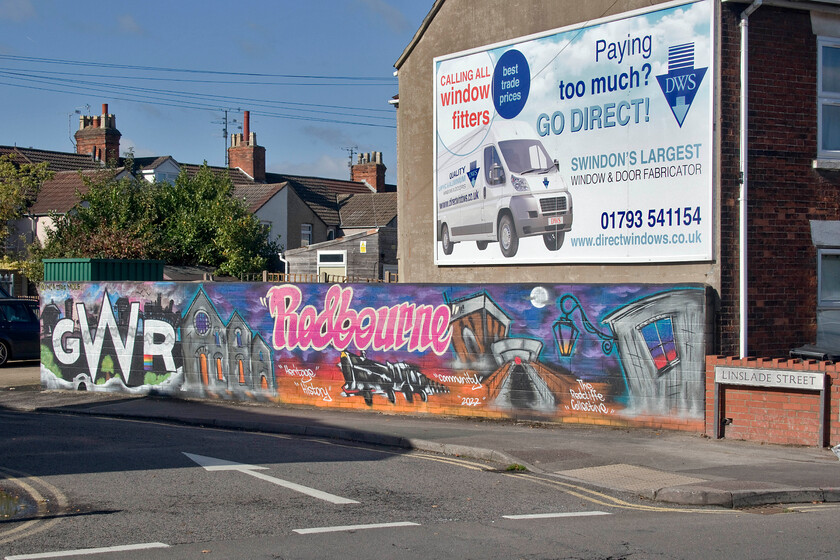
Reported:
(566, 333)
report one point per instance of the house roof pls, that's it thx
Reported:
(59, 161)
(237, 176)
(321, 194)
(59, 194)
(152, 162)
(330, 243)
(256, 195)
(368, 210)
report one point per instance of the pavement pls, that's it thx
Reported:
(663, 466)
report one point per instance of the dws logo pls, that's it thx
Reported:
(472, 174)
(681, 82)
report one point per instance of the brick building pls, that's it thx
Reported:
(773, 198)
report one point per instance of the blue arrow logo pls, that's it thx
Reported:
(472, 174)
(682, 81)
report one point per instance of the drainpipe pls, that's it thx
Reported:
(744, 25)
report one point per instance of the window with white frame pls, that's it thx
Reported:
(332, 258)
(828, 93)
(305, 235)
(333, 263)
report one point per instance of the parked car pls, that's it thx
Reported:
(19, 330)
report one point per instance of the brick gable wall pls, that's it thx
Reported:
(784, 191)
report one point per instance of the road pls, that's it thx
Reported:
(92, 486)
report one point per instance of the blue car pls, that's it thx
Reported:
(19, 330)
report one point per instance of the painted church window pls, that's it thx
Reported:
(202, 366)
(238, 338)
(659, 337)
(202, 323)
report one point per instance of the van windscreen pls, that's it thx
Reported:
(525, 156)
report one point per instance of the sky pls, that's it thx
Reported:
(316, 76)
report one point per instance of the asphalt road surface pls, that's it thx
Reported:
(89, 487)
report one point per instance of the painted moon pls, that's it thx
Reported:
(539, 297)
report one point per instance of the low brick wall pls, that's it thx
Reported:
(774, 415)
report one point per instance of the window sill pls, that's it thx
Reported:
(827, 164)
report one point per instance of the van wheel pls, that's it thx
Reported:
(507, 236)
(447, 243)
(481, 245)
(4, 353)
(553, 241)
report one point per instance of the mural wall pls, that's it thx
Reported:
(586, 353)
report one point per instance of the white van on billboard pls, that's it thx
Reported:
(615, 115)
(506, 189)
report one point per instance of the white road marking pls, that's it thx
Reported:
(551, 515)
(339, 528)
(86, 551)
(213, 464)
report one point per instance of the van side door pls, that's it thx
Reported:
(495, 181)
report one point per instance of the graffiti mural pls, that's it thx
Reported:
(593, 353)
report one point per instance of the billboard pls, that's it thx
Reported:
(587, 144)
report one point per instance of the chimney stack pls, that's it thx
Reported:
(99, 137)
(244, 152)
(369, 169)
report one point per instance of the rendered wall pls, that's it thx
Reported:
(492, 21)
(606, 354)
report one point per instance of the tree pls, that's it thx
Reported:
(112, 220)
(19, 185)
(196, 221)
(204, 224)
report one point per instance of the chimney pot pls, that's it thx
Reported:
(246, 125)
(104, 108)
